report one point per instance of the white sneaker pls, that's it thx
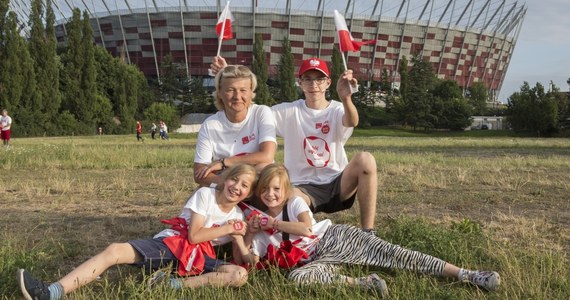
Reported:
(374, 282)
(488, 280)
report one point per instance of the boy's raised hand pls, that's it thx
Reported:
(346, 85)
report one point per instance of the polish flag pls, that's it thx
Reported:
(225, 24)
(347, 43)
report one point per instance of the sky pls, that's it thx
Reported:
(542, 52)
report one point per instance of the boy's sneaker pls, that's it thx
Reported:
(374, 282)
(488, 280)
(32, 288)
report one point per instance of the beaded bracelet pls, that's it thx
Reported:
(275, 224)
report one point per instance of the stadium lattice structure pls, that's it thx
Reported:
(465, 40)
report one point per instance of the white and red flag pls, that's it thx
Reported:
(347, 43)
(224, 25)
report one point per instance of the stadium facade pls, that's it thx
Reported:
(465, 40)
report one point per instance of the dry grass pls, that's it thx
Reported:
(64, 199)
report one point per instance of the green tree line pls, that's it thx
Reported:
(72, 89)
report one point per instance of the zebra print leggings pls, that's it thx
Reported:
(346, 244)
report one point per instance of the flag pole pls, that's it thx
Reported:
(221, 37)
(343, 60)
(340, 50)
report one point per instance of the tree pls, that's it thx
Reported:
(404, 78)
(337, 68)
(42, 45)
(533, 109)
(88, 85)
(17, 78)
(287, 88)
(478, 98)
(199, 99)
(385, 82)
(163, 111)
(450, 109)
(4, 6)
(172, 79)
(72, 60)
(418, 100)
(259, 68)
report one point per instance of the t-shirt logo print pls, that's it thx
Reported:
(323, 126)
(317, 151)
(246, 139)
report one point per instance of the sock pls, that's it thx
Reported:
(176, 283)
(55, 291)
(361, 281)
(462, 275)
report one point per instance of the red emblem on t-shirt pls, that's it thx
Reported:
(325, 129)
(317, 151)
(245, 140)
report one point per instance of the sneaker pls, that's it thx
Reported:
(157, 278)
(374, 282)
(32, 288)
(488, 280)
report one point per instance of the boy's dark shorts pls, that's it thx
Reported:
(156, 255)
(326, 197)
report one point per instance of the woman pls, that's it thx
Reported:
(240, 132)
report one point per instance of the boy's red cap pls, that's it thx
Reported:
(314, 64)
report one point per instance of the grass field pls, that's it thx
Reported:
(491, 202)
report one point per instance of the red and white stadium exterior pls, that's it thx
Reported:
(465, 40)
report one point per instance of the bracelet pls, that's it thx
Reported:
(223, 164)
(275, 224)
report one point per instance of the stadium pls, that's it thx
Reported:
(466, 41)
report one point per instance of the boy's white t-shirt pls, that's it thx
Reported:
(313, 141)
(6, 122)
(219, 138)
(295, 206)
(203, 202)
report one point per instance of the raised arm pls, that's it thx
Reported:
(350, 118)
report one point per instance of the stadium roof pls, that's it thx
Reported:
(486, 14)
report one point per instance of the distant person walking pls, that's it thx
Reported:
(5, 124)
(153, 131)
(139, 131)
(163, 131)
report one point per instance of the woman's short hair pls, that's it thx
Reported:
(232, 71)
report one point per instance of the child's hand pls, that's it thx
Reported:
(239, 227)
(267, 222)
(253, 224)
